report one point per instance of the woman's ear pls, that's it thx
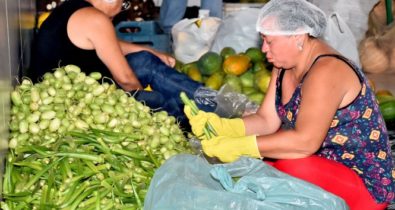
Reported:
(300, 40)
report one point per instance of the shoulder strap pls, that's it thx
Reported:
(340, 57)
(280, 82)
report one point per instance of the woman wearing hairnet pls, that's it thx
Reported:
(319, 119)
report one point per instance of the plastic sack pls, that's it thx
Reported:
(226, 101)
(354, 12)
(340, 37)
(231, 104)
(189, 182)
(206, 96)
(194, 37)
(238, 31)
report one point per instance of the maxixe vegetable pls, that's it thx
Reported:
(76, 143)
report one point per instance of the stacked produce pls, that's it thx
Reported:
(245, 72)
(386, 102)
(76, 143)
(377, 49)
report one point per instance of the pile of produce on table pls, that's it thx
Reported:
(78, 143)
(386, 102)
(246, 72)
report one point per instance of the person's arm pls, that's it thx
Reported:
(88, 28)
(266, 120)
(128, 47)
(329, 85)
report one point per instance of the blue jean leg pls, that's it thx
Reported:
(171, 11)
(150, 70)
(214, 6)
(166, 82)
(156, 101)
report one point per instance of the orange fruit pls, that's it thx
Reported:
(262, 80)
(256, 97)
(383, 92)
(248, 90)
(234, 82)
(209, 63)
(258, 66)
(236, 64)
(227, 51)
(195, 74)
(255, 54)
(384, 98)
(215, 80)
(247, 79)
(186, 67)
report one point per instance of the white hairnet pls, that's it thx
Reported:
(290, 17)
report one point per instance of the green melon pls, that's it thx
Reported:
(209, 63)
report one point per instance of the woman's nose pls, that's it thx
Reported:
(264, 47)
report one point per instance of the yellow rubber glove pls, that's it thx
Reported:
(229, 149)
(222, 126)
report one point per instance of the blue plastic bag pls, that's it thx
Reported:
(189, 182)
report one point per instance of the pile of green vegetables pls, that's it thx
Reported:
(77, 143)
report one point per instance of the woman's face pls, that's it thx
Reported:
(280, 50)
(113, 7)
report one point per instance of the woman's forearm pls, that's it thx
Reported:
(288, 144)
(128, 47)
(256, 124)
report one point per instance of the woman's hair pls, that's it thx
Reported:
(290, 17)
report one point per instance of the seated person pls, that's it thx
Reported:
(81, 32)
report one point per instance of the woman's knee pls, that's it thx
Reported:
(141, 57)
(316, 170)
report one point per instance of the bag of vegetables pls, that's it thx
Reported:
(190, 182)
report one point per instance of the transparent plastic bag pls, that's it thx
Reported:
(206, 96)
(227, 102)
(189, 182)
(231, 104)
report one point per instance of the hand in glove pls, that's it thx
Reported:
(229, 149)
(222, 126)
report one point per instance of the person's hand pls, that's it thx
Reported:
(167, 59)
(222, 126)
(229, 149)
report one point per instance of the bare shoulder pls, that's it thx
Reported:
(332, 68)
(90, 17)
(88, 26)
(333, 78)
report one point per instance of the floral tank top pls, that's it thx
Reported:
(357, 137)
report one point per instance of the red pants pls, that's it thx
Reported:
(333, 177)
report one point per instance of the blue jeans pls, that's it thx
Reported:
(172, 11)
(166, 83)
